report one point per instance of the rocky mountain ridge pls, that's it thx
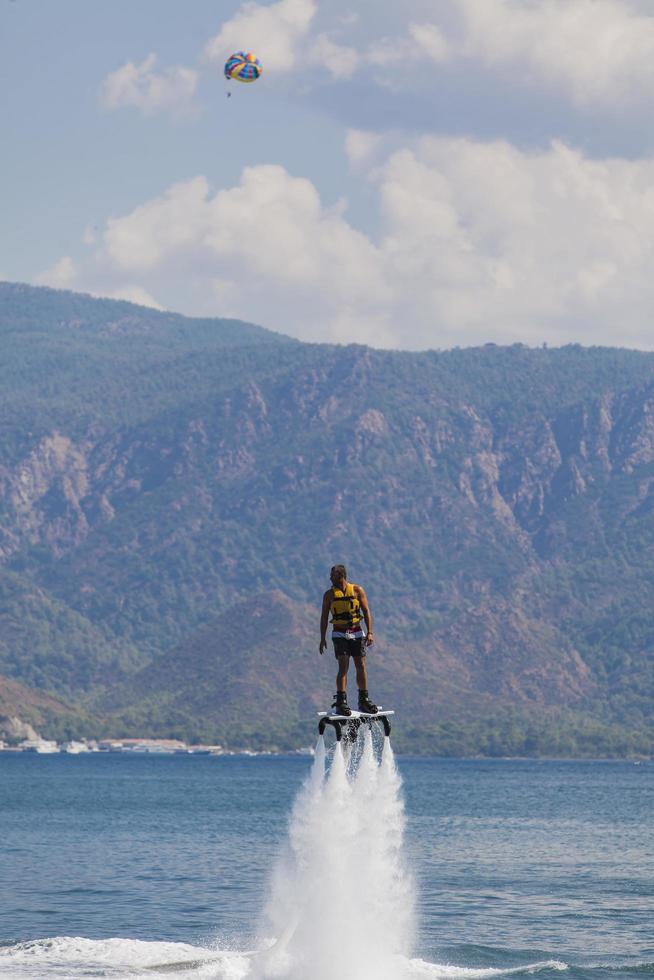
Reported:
(61, 490)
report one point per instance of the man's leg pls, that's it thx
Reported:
(343, 666)
(362, 674)
(340, 703)
(365, 704)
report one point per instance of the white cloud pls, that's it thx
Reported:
(487, 242)
(133, 294)
(65, 274)
(339, 60)
(281, 34)
(259, 243)
(62, 275)
(430, 39)
(275, 226)
(595, 53)
(278, 29)
(601, 52)
(141, 87)
(422, 41)
(478, 242)
(361, 146)
(163, 226)
(384, 51)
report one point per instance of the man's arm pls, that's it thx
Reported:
(324, 619)
(367, 615)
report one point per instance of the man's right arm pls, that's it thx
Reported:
(324, 619)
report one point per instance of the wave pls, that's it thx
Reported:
(436, 971)
(633, 969)
(72, 957)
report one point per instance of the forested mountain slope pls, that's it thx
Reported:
(162, 477)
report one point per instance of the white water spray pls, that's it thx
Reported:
(342, 901)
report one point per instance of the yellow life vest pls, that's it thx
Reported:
(345, 609)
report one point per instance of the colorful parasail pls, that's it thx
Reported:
(243, 67)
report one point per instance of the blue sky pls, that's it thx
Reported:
(415, 175)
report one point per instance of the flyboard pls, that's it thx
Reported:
(350, 724)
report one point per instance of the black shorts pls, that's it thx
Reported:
(350, 648)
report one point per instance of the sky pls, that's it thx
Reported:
(415, 175)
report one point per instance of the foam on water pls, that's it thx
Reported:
(69, 957)
(417, 969)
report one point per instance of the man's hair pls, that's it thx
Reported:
(341, 569)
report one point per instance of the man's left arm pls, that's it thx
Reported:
(367, 615)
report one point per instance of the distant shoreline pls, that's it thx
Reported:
(308, 752)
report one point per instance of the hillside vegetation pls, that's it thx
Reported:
(173, 492)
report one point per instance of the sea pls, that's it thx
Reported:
(350, 864)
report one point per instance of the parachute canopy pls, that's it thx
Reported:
(243, 67)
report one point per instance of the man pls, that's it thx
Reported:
(348, 605)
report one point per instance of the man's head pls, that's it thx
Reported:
(338, 574)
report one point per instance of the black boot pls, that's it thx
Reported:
(340, 704)
(366, 705)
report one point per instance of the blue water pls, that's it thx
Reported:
(516, 862)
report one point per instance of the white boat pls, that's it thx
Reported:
(41, 745)
(74, 748)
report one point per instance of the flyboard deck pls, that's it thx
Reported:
(352, 723)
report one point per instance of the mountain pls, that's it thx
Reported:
(21, 708)
(163, 479)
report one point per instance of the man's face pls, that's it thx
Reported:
(337, 578)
